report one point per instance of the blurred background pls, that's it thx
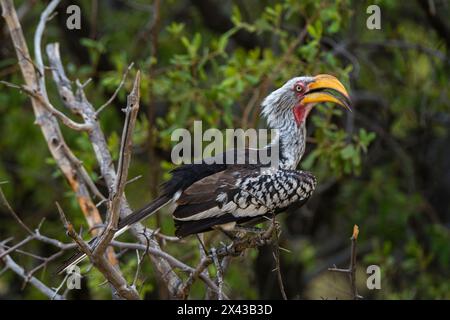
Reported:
(384, 167)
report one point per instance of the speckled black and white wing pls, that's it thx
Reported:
(239, 194)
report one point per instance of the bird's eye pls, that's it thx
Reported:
(298, 88)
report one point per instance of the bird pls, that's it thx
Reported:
(219, 195)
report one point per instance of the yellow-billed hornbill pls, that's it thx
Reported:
(207, 196)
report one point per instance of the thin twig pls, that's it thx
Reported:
(276, 253)
(134, 179)
(122, 170)
(16, 246)
(12, 265)
(174, 262)
(11, 211)
(71, 232)
(44, 263)
(351, 270)
(219, 274)
(61, 116)
(116, 92)
(140, 259)
(138, 268)
(37, 45)
(26, 253)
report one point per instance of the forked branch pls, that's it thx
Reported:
(351, 270)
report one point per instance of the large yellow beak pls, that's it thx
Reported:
(326, 88)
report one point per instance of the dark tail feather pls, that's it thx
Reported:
(75, 258)
(186, 228)
(132, 218)
(144, 212)
(71, 261)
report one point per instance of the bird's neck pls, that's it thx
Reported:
(291, 140)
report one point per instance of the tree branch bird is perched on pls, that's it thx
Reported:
(208, 196)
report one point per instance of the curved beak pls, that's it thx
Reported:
(326, 88)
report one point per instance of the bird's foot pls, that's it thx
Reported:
(265, 236)
(277, 227)
(244, 229)
(224, 249)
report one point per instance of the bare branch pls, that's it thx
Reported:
(26, 253)
(175, 263)
(44, 264)
(13, 266)
(138, 268)
(122, 82)
(71, 232)
(219, 273)
(234, 249)
(33, 235)
(351, 270)
(75, 173)
(33, 93)
(79, 105)
(276, 253)
(133, 179)
(111, 274)
(37, 45)
(10, 209)
(44, 118)
(16, 246)
(124, 163)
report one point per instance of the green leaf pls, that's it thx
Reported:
(236, 16)
(348, 152)
(175, 28)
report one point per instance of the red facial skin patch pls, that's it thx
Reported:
(300, 113)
